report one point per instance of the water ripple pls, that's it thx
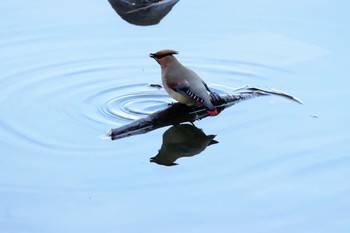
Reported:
(128, 102)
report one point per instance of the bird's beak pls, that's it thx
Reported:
(152, 55)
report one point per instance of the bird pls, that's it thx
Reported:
(182, 83)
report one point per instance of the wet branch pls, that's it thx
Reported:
(177, 113)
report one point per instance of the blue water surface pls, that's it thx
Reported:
(72, 70)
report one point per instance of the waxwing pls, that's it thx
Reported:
(181, 83)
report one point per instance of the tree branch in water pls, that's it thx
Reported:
(177, 113)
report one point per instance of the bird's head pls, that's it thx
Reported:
(163, 55)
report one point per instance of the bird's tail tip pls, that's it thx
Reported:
(213, 112)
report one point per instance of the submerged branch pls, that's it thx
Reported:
(177, 113)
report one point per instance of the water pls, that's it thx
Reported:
(70, 71)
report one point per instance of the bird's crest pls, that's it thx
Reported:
(162, 53)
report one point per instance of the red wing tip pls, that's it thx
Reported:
(171, 84)
(213, 112)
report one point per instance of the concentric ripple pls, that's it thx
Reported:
(43, 105)
(128, 102)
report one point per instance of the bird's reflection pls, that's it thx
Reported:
(142, 12)
(184, 140)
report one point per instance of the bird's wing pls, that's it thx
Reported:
(184, 89)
